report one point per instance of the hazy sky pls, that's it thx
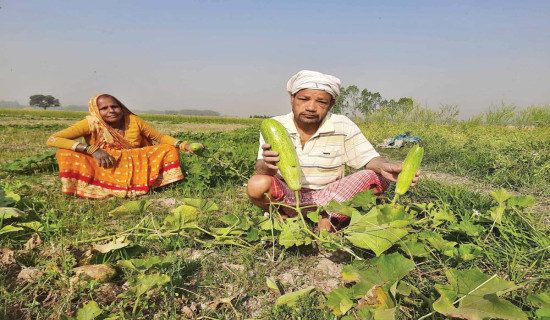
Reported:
(235, 57)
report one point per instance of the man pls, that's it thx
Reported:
(325, 144)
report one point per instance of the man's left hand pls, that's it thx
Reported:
(389, 170)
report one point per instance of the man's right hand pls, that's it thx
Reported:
(268, 165)
(103, 159)
(270, 157)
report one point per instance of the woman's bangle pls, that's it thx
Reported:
(86, 148)
(181, 145)
(92, 149)
(73, 147)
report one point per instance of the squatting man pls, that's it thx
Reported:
(325, 144)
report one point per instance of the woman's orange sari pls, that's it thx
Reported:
(135, 172)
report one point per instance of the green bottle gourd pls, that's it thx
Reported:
(196, 147)
(276, 135)
(409, 168)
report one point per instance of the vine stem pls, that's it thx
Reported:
(395, 198)
(299, 210)
(135, 306)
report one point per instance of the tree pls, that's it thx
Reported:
(44, 102)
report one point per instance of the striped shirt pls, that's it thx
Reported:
(338, 142)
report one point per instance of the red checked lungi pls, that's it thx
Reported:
(340, 190)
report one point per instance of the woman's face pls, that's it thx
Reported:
(109, 110)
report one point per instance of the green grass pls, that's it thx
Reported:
(512, 158)
(202, 275)
(39, 114)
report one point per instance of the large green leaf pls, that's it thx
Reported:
(274, 285)
(130, 207)
(8, 198)
(33, 225)
(11, 213)
(384, 269)
(521, 201)
(148, 263)
(364, 200)
(378, 239)
(437, 242)
(314, 216)
(89, 311)
(10, 228)
(411, 246)
(376, 314)
(236, 221)
(182, 217)
(500, 195)
(480, 297)
(542, 302)
(292, 234)
(468, 251)
(339, 301)
(365, 231)
(291, 298)
(267, 225)
(340, 208)
(388, 213)
(116, 244)
(203, 205)
(144, 283)
(468, 227)
(497, 213)
(441, 215)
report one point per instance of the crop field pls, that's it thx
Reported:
(470, 241)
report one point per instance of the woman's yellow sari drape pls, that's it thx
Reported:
(135, 172)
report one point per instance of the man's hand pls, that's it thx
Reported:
(268, 165)
(103, 159)
(389, 170)
(270, 157)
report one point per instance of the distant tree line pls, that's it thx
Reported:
(363, 103)
(190, 112)
(371, 106)
(10, 104)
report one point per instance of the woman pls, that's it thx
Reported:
(118, 158)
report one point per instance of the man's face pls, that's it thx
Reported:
(311, 106)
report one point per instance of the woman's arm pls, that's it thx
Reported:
(148, 131)
(65, 139)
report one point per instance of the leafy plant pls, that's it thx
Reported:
(28, 163)
(477, 295)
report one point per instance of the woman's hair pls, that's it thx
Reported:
(105, 95)
(120, 104)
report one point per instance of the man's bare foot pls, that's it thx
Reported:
(288, 215)
(325, 224)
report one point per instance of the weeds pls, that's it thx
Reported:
(198, 248)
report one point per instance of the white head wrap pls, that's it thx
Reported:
(306, 79)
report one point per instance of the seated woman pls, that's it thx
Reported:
(118, 158)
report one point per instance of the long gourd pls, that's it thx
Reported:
(408, 172)
(276, 135)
